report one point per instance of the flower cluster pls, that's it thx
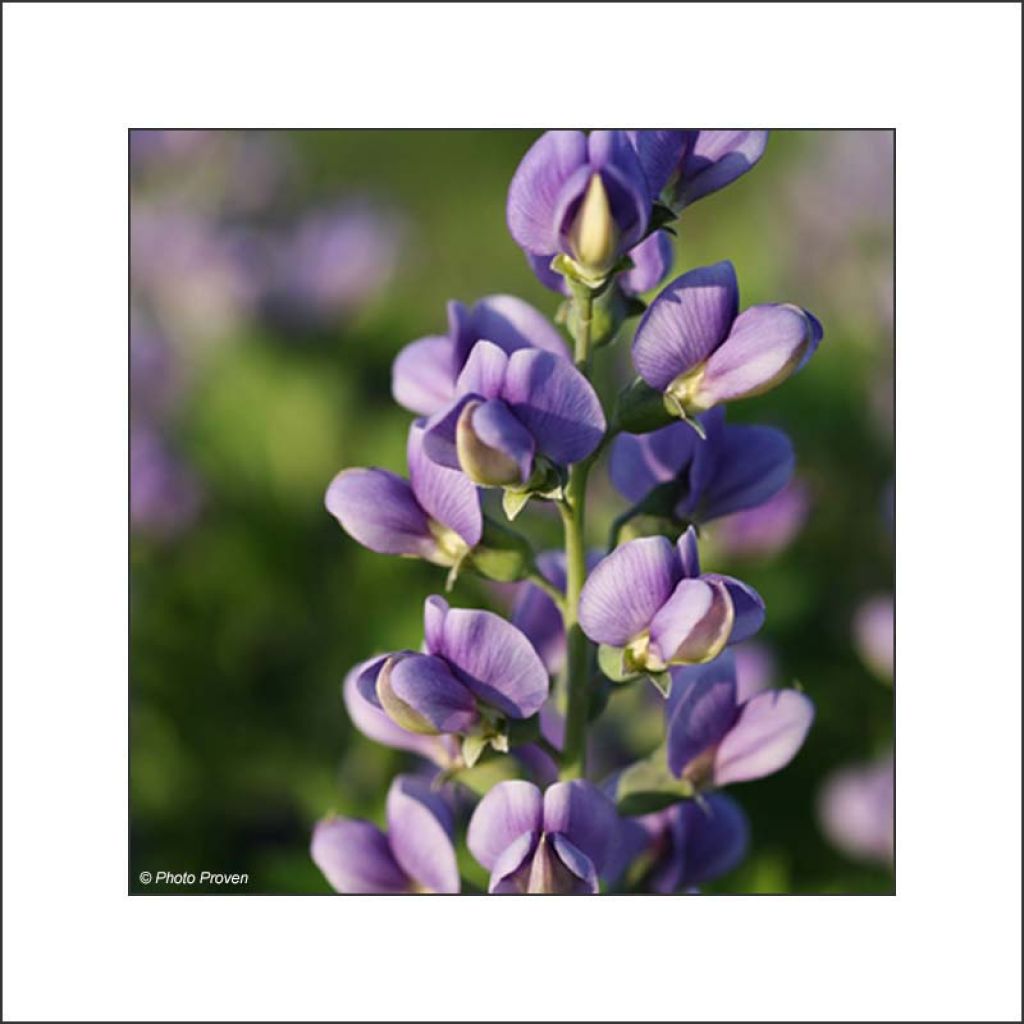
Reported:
(497, 708)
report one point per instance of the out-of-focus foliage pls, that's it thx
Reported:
(249, 604)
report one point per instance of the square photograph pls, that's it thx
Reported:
(511, 512)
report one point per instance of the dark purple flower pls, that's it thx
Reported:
(649, 599)
(684, 165)
(414, 856)
(585, 197)
(687, 845)
(425, 371)
(856, 809)
(510, 411)
(652, 260)
(765, 529)
(475, 668)
(434, 515)
(874, 631)
(714, 739)
(555, 843)
(332, 263)
(732, 468)
(692, 345)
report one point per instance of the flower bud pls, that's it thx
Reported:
(594, 235)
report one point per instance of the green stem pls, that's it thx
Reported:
(572, 509)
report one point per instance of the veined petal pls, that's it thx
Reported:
(624, 592)
(661, 153)
(716, 159)
(766, 345)
(685, 324)
(375, 724)
(694, 625)
(641, 462)
(556, 403)
(420, 692)
(511, 324)
(573, 873)
(747, 603)
(510, 875)
(766, 736)
(435, 609)
(423, 375)
(536, 185)
(508, 811)
(652, 260)
(356, 858)
(495, 661)
(446, 495)
(700, 711)
(419, 830)
(585, 816)
(751, 465)
(484, 371)
(716, 838)
(688, 553)
(378, 509)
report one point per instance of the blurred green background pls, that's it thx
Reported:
(251, 388)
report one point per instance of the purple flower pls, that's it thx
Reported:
(555, 843)
(332, 263)
(685, 165)
(514, 415)
(434, 515)
(714, 739)
(652, 260)
(688, 844)
(755, 669)
(856, 809)
(732, 468)
(874, 631)
(375, 723)
(584, 197)
(692, 346)
(768, 528)
(476, 668)
(649, 599)
(414, 856)
(425, 371)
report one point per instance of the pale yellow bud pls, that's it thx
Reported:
(594, 235)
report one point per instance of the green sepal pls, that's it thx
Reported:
(473, 746)
(641, 409)
(615, 665)
(662, 682)
(513, 502)
(503, 555)
(647, 786)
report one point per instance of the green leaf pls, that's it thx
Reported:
(647, 786)
(513, 502)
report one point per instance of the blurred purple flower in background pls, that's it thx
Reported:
(766, 529)
(416, 854)
(755, 669)
(557, 842)
(856, 809)
(331, 263)
(874, 633)
(165, 494)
